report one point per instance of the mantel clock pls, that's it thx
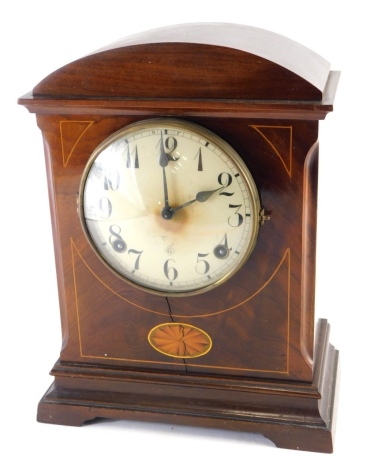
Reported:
(182, 170)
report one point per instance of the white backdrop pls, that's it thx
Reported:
(40, 36)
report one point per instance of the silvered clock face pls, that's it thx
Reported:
(170, 207)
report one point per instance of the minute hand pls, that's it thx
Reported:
(201, 196)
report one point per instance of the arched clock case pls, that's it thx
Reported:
(182, 170)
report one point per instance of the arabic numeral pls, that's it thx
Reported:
(225, 180)
(115, 239)
(111, 180)
(222, 250)
(171, 144)
(105, 207)
(237, 219)
(170, 272)
(202, 266)
(137, 262)
(132, 158)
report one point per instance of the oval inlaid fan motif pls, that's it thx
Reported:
(180, 340)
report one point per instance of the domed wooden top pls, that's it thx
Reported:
(195, 61)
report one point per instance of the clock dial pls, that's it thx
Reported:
(170, 206)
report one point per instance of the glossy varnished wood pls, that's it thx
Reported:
(212, 61)
(258, 312)
(261, 373)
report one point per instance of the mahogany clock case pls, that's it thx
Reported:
(260, 371)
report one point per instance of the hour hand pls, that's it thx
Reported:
(201, 196)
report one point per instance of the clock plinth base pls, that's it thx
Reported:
(293, 415)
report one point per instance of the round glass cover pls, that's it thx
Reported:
(169, 206)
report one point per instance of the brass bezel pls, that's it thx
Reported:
(219, 143)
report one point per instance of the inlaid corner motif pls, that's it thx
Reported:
(279, 138)
(180, 340)
(71, 132)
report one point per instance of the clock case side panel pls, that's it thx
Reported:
(56, 237)
(309, 230)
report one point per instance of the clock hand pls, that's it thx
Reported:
(166, 212)
(163, 157)
(201, 196)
